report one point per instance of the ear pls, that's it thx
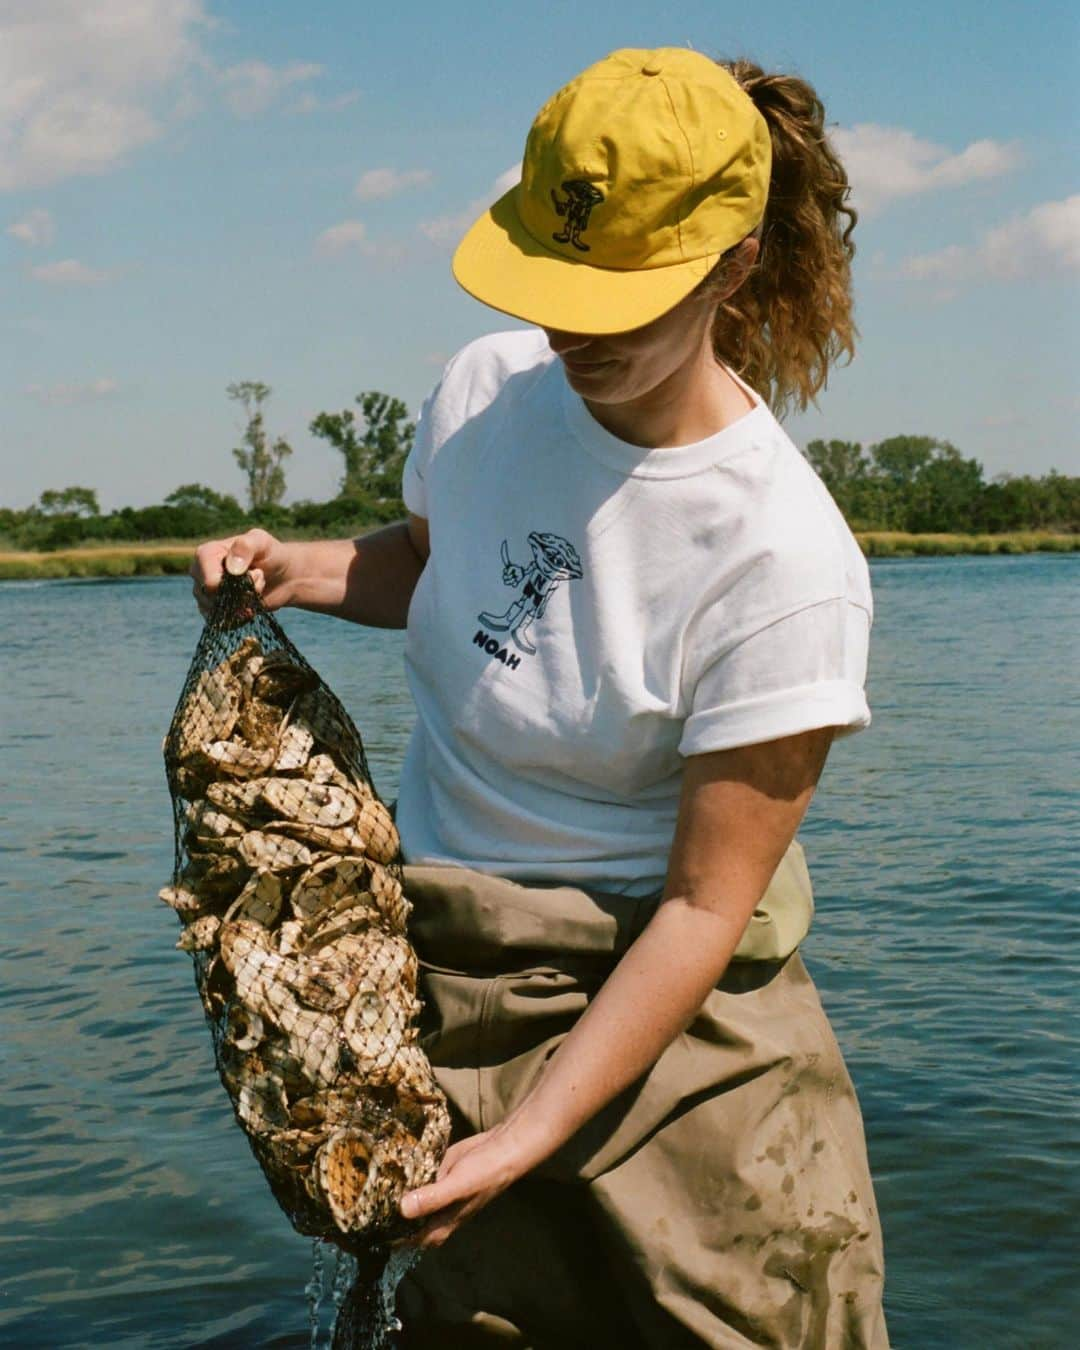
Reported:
(737, 266)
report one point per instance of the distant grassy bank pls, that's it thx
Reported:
(174, 559)
(128, 560)
(896, 544)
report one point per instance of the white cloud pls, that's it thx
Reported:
(446, 231)
(69, 272)
(84, 84)
(65, 394)
(350, 234)
(311, 103)
(77, 80)
(946, 263)
(35, 228)
(378, 184)
(887, 163)
(1045, 241)
(251, 87)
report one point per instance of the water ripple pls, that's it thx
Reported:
(944, 846)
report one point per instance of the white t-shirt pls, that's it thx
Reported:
(593, 611)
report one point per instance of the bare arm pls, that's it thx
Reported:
(368, 580)
(739, 811)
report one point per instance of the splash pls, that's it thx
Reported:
(362, 1293)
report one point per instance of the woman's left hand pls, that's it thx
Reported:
(473, 1172)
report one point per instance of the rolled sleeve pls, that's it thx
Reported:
(797, 673)
(413, 491)
(413, 487)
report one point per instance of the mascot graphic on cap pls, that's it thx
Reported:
(581, 197)
(554, 560)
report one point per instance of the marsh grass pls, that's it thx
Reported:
(145, 561)
(174, 558)
(896, 544)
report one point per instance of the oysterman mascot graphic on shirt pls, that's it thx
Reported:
(554, 560)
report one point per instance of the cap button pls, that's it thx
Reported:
(649, 69)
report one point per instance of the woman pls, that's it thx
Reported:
(636, 621)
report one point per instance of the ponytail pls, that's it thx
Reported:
(792, 317)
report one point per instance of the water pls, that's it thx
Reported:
(943, 845)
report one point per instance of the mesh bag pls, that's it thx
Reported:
(288, 885)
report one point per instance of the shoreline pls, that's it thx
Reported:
(156, 560)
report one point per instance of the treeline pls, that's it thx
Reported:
(373, 441)
(923, 485)
(192, 511)
(914, 484)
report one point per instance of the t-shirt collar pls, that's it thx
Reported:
(678, 461)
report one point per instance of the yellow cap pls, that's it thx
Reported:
(637, 176)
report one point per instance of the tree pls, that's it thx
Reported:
(946, 494)
(900, 458)
(69, 501)
(259, 459)
(842, 467)
(925, 484)
(204, 498)
(374, 450)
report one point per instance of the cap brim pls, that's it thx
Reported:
(501, 264)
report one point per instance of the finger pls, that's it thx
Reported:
(206, 567)
(246, 548)
(427, 1200)
(435, 1233)
(258, 579)
(203, 599)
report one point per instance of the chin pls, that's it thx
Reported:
(597, 385)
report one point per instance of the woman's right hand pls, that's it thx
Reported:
(256, 552)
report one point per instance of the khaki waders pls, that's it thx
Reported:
(724, 1200)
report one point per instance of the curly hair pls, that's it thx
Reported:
(792, 317)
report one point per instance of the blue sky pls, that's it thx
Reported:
(194, 192)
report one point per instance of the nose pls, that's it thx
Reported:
(561, 343)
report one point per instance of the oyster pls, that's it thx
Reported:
(237, 759)
(186, 903)
(293, 908)
(303, 802)
(279, 679)
(293, 748)
(274, 852)
(260, 900)
(200, 935)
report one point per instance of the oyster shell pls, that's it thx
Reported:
(303, 802)
(259, 725)
(376, 1029)
(330, 880)
(244, 1029)
(344, 1167)
(294, 748)
(214, 877)
(239, 799)
(186, 903)
(321, 768)
(260, 900)
(237, 759)
(273, 852)
(212, 708)
(200, 935)
(280, 679)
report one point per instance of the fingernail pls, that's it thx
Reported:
(235, 566)
(408, 1206)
